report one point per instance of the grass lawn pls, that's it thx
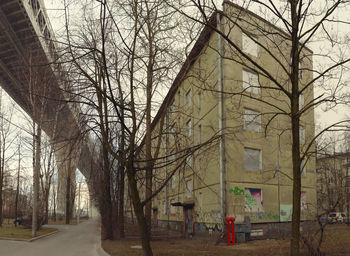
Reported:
(8, 230)
(337, 242)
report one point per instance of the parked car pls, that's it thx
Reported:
(337, 217)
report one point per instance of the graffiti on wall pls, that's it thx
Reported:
(237, 191)
(256, 216)
(303, 205)
(253, 200)
(286, 212)
(211, 220)
(253, 204)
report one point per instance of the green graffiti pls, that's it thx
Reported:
(249, 200)
(237, 191)
(270, 215)
(258, 216)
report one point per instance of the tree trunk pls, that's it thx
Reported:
(36, 181)
(106, 211)
(142, 223)
(1, 216)
(121, 203)
(68, 198)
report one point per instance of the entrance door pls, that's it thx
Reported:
(188, 227)
(155, 217)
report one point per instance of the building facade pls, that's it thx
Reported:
(226, 135)
(333, 187)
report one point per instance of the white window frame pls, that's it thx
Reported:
(301, 101)
(188, 99)
(172, 132)
(189, 128)
(250, 81)
(173, 181)
(172, 109)
(164, 208)
(302, 135)
(303, 168)
(246, 155)
(189, 161)
(249, 45)
(251, 120)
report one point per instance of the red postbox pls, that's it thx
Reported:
(230, 220)
(233, 230)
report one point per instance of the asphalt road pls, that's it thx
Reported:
(72, 240)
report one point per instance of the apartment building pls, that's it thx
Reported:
(333, 187)
(225, 150)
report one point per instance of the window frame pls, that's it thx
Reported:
(188, 99)
(255, 120)
(247, 85)
(260, 159)
(254, 48)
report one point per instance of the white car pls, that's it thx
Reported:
(337, 217)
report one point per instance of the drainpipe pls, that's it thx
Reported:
(221, 139)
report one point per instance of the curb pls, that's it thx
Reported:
(28, 240)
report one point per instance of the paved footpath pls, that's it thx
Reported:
(72, 240)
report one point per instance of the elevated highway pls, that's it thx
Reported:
(30, 76)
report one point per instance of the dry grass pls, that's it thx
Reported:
(8, 230)
(62, 222)
(337, 243)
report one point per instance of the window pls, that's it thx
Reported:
(251, 120)
(189, 130)
(251, 82)
(252, 159)
(199, 102)
(164, 207)
(172, 108)
(301, 101)
(348, 171)
(200, 201)
(189, 188)
(172, 208)
(302, 135)
(172, 157)
(303, 205)
(303, 168)
(173, 181)
(188, 99)
(253, 200)
(249, 45)
(172, 132)
(300, 74)
(189, 161)
(179, 100)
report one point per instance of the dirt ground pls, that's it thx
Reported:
(337, 242)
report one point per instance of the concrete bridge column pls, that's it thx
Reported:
(67, 155)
